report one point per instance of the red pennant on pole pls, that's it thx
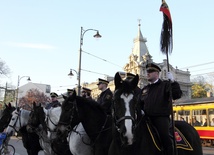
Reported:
(166, 32)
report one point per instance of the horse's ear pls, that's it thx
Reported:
(135, 81)
(5, 105)
(34, 104)
(117, 80)
(64, 97)
(74, 93)
(9, 105)
(18, 109)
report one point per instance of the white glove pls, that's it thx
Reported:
(170, 76)
(142, 112)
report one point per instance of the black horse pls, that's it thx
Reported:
(17, 123)
(97, 124)
(133, 134)
(6, 116)
(39, 117)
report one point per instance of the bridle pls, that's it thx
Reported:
(71, 113)
(18, 113)
(48, 119)
(118, 121)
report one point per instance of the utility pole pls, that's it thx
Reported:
(5, 93)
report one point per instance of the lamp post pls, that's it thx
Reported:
(19, 79)
(71, 73)
(82, 32)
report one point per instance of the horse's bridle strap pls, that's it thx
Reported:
(124, 118)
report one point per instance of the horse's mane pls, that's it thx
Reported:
(91, 103)
(24, 113)
(55, 112)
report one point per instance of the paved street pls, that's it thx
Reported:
(20, 150)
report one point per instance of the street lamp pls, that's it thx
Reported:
(19, 79)
(71, 73)
(82, 32)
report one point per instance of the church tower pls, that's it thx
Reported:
(136, 64)
(139, 58)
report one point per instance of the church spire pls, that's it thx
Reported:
(139, 36)
(140, 48)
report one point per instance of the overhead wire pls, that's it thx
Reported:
(122, 67)
(197, 65)
(102, 59)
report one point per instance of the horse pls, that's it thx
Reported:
(43, 122)
(18, 123)
(133, 133)
(77, 138)
(6, 116)
(96, 122)
(49, 119)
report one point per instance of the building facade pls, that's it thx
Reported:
(22, 91)
(136, 64)
(45, 88)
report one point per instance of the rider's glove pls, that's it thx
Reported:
(170, 76)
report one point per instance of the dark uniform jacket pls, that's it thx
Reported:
(53, 104)
(89, 97)
(105, 100)
(137, 91)
(155, 97)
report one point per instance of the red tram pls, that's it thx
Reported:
(199, 113)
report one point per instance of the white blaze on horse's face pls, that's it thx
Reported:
(128, 122)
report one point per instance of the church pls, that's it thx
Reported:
(136, 64)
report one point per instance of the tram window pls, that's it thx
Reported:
(184, 115)
(211, 117)
(211, 111)
(183, 112)
(200, 117)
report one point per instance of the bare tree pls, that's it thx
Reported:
(4, 69)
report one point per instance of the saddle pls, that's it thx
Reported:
(181, 141)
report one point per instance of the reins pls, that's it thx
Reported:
(18, 118)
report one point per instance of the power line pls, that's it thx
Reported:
(197, 65)
(102, 59)
(201, 69)
(94, 72)
(62, 86)
(122, 67)
(203, 74)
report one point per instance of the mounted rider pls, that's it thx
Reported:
(105, 98)
(70, 92)
(86, 92)
(130, 76)
(54, 102)
(155, 102)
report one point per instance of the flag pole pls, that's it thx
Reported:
(166, 44)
